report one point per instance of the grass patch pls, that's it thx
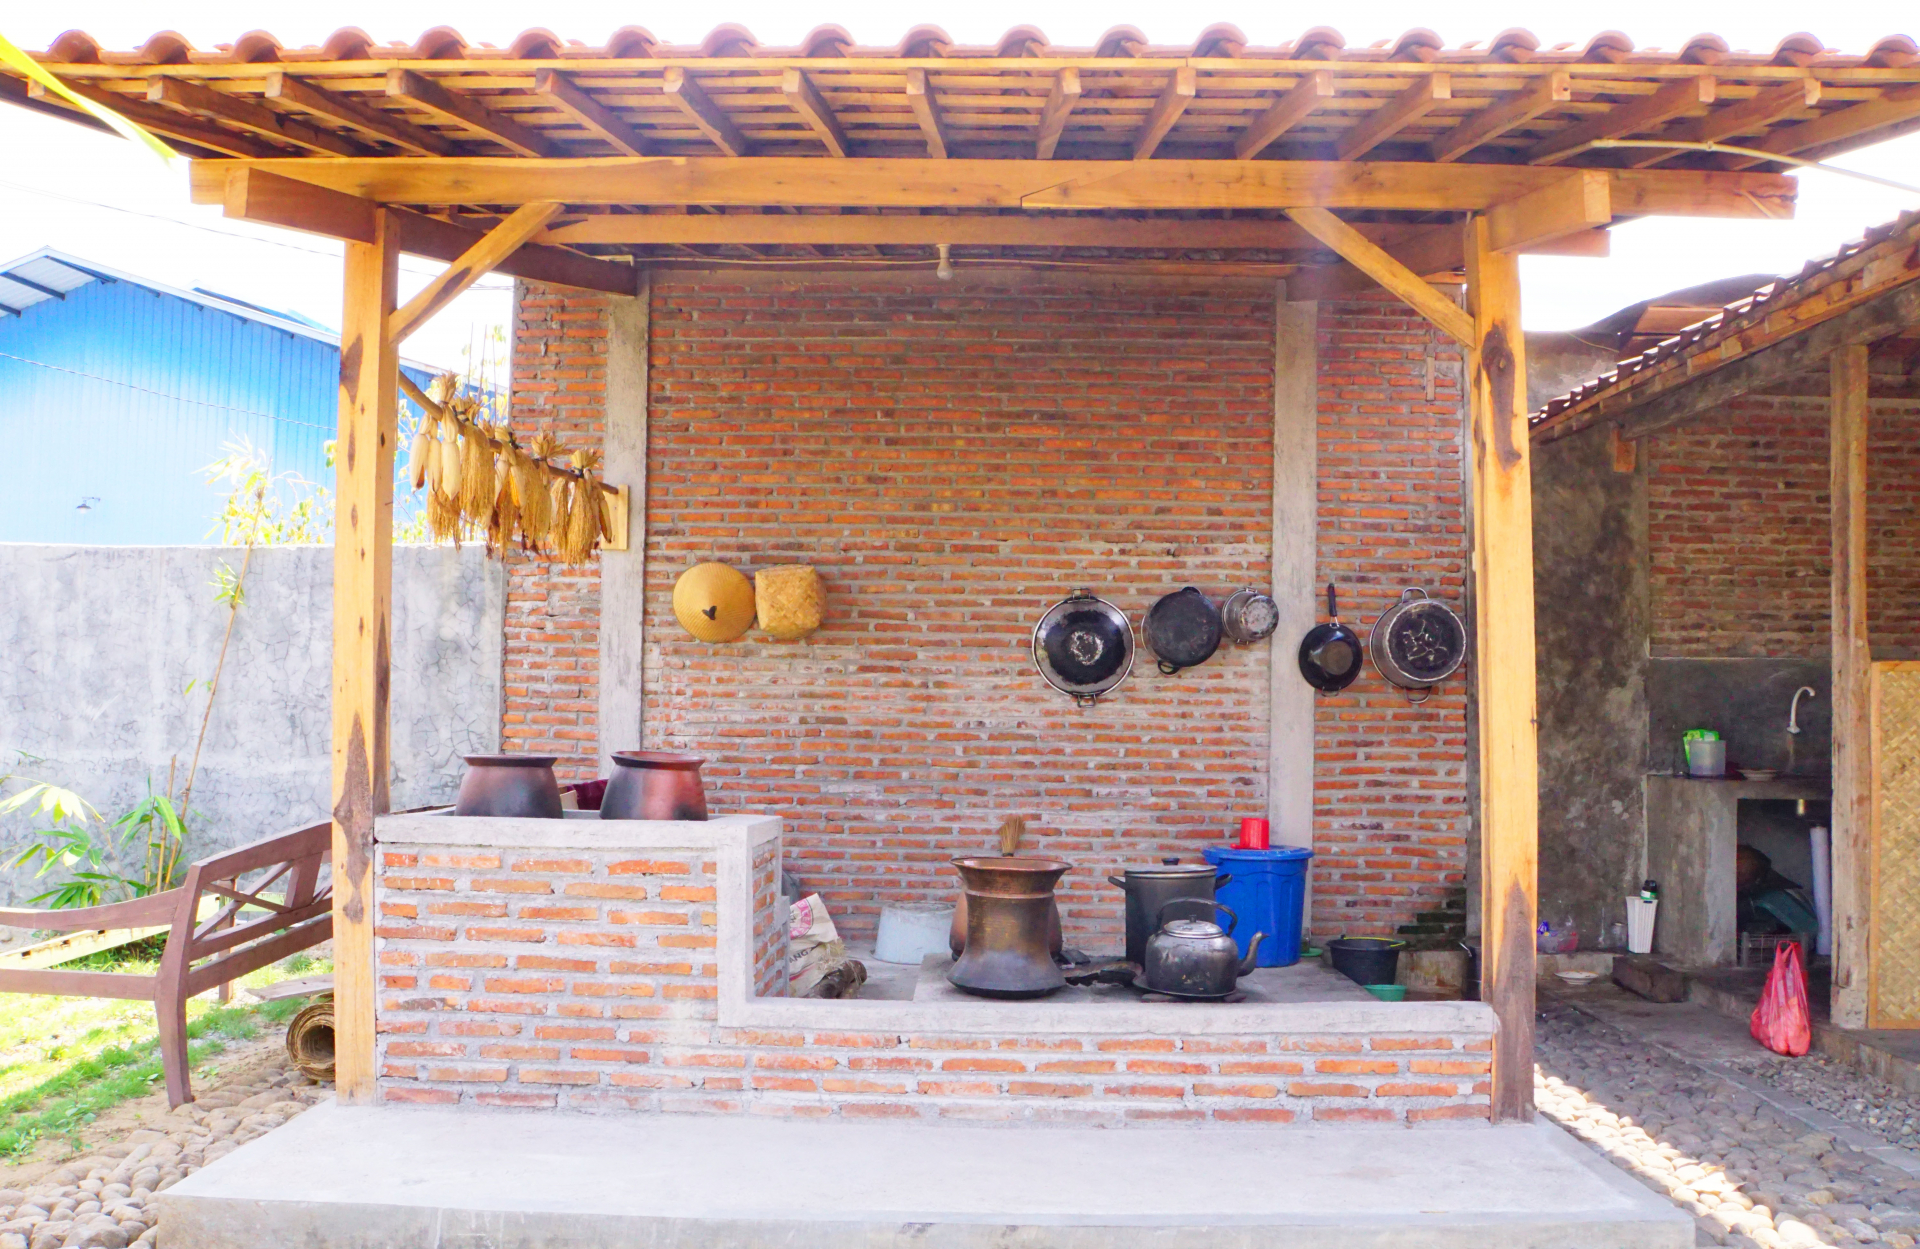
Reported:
(64, 1061)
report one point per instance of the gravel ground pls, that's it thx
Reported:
(1842, 1091)
(103, 1199)
(1749, 1175)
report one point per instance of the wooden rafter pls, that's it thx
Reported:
(475, 263)
(1578, 204)
(1677, 99)
(1821, 136)
(1538, 98)
(348, 111)
(424, 93)
(805, 99)
(197, 98)
(1426, 94)
(903, 183)
(163, 121)
(1369, 258)
(1053, 118)
(589, 112)
(1173, 101)
(926, 111)
(688, 96)
(1753, 114)
(1314, 89)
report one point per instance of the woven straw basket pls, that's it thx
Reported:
(790, 600)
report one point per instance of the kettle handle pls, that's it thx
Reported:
(1232, 920)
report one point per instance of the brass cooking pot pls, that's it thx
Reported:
(1008, 901)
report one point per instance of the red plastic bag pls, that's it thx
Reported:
(1782, 1022)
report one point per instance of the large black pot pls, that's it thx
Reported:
(1149, 889)
(1183, 629)
(520, 786)
(1083, 646)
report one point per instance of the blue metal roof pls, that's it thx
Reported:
(116, 391)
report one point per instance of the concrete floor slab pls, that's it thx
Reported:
(361, 1178)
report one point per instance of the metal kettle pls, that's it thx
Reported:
(1196, 957)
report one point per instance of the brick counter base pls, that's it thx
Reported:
(589, 979)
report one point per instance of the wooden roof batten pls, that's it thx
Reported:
(1408, 131)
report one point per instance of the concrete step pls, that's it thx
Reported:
(366, 1177)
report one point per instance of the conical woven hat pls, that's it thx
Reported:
(714, 602)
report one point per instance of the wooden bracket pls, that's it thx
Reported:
(620, 511)
(1357, 250)
(475, 263)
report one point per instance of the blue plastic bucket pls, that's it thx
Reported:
(1268, 892)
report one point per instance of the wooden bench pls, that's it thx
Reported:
(217, 931)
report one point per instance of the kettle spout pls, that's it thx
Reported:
(1253, 952)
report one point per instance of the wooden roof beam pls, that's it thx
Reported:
(1314, 89)
(926, 111)
(269, 199)
(162, 121)
(1053, 118)
(805, 99)
(1395, 115)
(193, 97)
(700, 109)
(471, 265)
(564, 95)
(1820, 136)
(283, 86)
(1056, 184)
(1757, 113)
(1026, 230)
(424, 93)
(1649, 112)
(1537, 98)
(1578, 204)
(1173, 101)
(1408, 286)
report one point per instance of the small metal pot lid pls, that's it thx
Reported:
(1183, 629)
(1172, 871)
(1083, 646)
(1249, 616)
(1418, 642)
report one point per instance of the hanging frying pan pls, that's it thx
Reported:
(1418, 642)
(1330, 653)
(1183, 629)
(1083, 646)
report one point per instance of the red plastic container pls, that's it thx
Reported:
(1254, 832)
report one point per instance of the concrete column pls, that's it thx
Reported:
(1296, 506)
(623, 574)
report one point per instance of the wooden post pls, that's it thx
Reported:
(1503, 611)
(1852, 674)
(362, 629)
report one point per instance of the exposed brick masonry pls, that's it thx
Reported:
(953, 459)
(1739, 533)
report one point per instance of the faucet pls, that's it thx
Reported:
(1793, 712)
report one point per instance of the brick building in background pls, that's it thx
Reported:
(954, 458)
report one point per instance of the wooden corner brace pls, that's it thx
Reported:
(475, 263)
(1368, 257)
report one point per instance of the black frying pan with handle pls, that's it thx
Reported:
(1330, 653)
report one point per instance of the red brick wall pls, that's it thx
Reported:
(586, 979)
(952, 459)
(1390, 776)
(1738, 530)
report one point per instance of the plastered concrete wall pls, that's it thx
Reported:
(99, 644)
(1591, 619)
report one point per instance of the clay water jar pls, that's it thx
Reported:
(517, 786)
(654, 785)
(1009, 905)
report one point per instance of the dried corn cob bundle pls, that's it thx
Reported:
(560, 492)
(443, 508)
(583, 518)
(419, 455)
(536, 494)
(506, 511)
(476, 470)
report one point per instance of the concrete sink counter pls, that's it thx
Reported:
(1693, 831)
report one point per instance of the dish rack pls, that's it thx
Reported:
(1767, 944)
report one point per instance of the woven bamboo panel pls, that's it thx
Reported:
(1896, 853)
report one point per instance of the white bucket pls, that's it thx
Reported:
(1640, 925)
(909, 931)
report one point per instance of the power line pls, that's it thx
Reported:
(205, 403)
